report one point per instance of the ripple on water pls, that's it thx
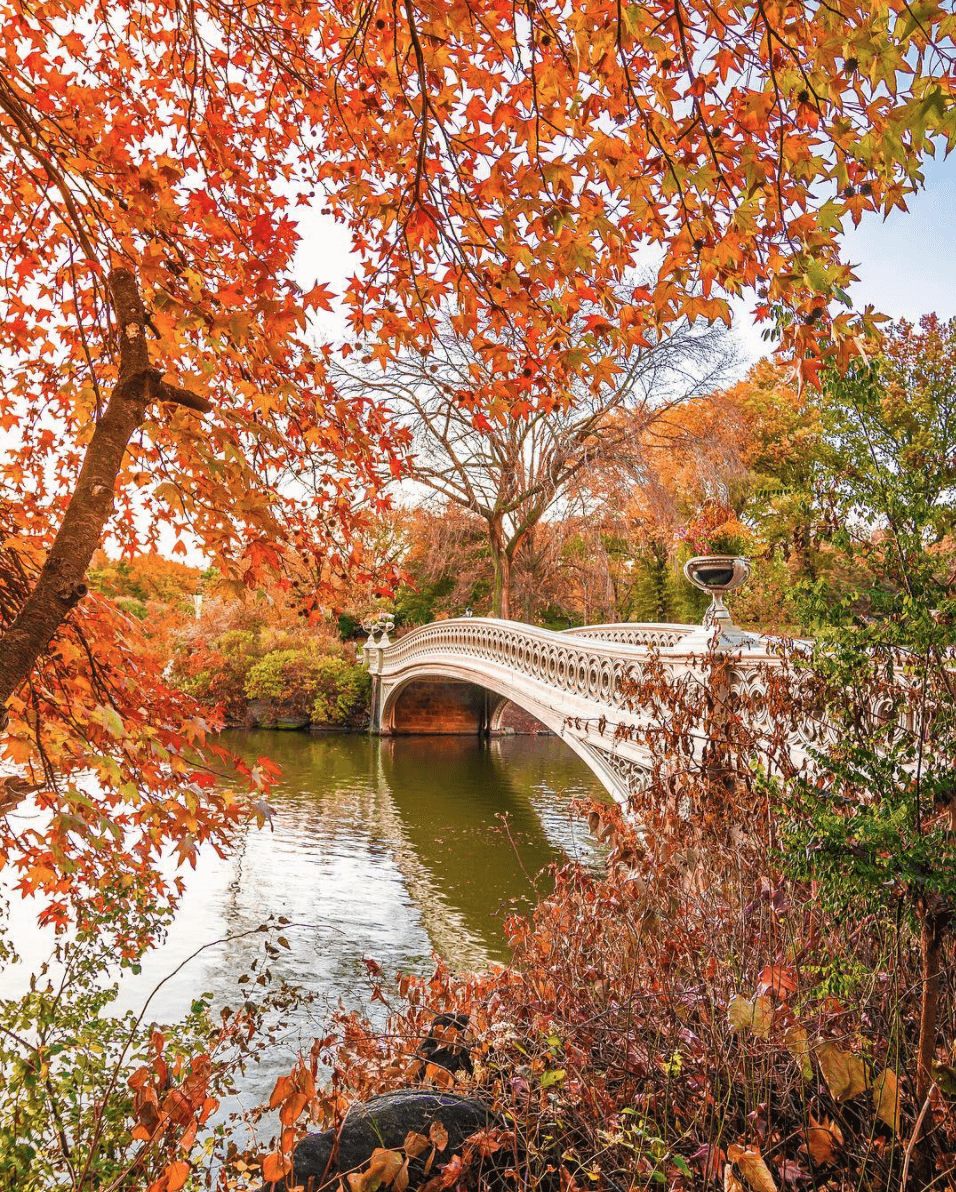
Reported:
(390, 849)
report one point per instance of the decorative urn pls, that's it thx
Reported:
(717, 574)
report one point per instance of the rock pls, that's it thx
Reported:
(320, 1159)
(444, 1045)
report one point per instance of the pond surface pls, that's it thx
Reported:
(386, 849)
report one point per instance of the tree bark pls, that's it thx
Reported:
(501, 562)
(931, 942)
(60, 583)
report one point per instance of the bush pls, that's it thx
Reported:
(344, 692)
(329, 690)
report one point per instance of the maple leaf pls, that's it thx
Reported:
(320, 297)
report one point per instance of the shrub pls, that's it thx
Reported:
(330, 690)
(343, 694)
(287, 678)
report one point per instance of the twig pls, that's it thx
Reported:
(915, 1135)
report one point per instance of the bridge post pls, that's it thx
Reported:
(373, 656)
(375, 712)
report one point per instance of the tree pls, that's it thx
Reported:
(517, 162)
(155, 365)
(882, 826)
(513, 469)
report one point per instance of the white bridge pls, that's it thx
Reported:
(467, 675)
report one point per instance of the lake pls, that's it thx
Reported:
(390, 849)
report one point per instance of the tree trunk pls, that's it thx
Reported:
(501, 596)
(932, 929)
(931, 942)
(60, 583)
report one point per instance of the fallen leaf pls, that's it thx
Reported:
(731, 1183)
(438, 1135)
(844, 1072)
(751, 1166)
(886, 1099)
(384, 1166)
(823, 1139)
(791, 1172)
(415, 1144)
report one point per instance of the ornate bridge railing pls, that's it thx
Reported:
(575, 682)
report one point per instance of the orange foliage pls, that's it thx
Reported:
(512, 162)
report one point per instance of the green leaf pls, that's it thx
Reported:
(552, 1077)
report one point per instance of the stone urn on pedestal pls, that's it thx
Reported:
(717, 574)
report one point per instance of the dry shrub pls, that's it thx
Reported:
(694, 1017)
(690, 1019)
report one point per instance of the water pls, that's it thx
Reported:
(390, 850)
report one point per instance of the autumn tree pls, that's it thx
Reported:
(512, 469)
(516, 163)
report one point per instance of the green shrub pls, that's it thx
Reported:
(326, 688)
(343, 694)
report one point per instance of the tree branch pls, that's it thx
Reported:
(60, 584)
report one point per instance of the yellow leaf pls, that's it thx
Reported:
(731, 1183)
(799, 1048)
(844, 1072)
(756, 1015)
(384, 1165)
(886, 1099)
(751, 1166)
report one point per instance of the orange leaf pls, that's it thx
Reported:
(273, 1167)
(176, 1175)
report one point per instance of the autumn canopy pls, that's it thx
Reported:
(504, 164)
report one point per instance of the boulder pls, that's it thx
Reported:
(386, 1121)
(446, 1045)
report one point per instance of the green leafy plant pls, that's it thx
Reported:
(878, 824)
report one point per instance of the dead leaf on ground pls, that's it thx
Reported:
(415, 1144)
(438, 1135)
(751, 1166)
(844, 1072)
(791, 1172)
(823, 1140)
(731, 1183)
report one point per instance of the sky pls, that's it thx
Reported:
(906, 264)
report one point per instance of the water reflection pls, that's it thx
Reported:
(389, 850)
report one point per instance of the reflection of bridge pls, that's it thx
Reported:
(468, 675)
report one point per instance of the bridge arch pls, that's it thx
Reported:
(614, 779)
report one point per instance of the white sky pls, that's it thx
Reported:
(906, 265)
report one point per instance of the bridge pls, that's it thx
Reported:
(476, 674)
